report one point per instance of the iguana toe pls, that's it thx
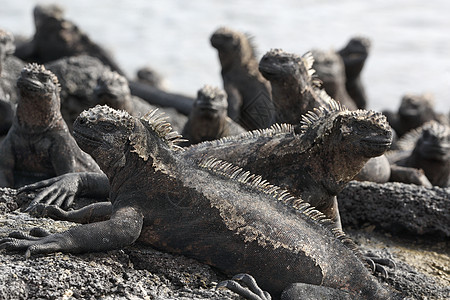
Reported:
(251, 292)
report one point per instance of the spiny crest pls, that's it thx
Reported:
(373, 116)
(256, 182)
(274, 130)
(34, 68)
(106, 113)
(408, 140)
(318, 115)
(158, 124)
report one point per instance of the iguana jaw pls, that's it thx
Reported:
(376, 146)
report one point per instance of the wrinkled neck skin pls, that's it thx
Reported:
(292, 99)
(37, 113)
(242, 63)
(327, 166)
(204, 128)
(129, 172)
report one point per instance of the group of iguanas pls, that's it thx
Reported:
(260, 205)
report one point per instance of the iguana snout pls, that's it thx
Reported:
(35, 78)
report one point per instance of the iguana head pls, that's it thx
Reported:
(359, 133)
(211, 102)
(35, 80)
(112, 89)
(434, 141)
(330, 69)
(355, 54)
(287, 67)
(416, 106)
(232, 46)
(45, 12)
(110, 136)
(7, 46)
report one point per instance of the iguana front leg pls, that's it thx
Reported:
(121, 230)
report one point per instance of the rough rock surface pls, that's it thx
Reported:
(140, 272)
(400, 209)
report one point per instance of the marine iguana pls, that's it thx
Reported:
(38, 145)
(212, 211)
(10, 68)
(315, 164)
(112, 89)
(208, 119)
(426, 148)
(249, 96)
(294, 89)
(414, 111)
(354, 55)
(331, 71)
(6, 107)
(56, 37)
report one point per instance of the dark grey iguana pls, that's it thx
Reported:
(331, 71)
(56, 37)
(414, 111)
(294, 89)
(354, 55)
(315, 164)
(10, 68)
(249, 96)
(212, 211)
(38, 145)
(426, 148)
(208, 119)
(112, 89)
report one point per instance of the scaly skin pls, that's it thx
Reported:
(315, 164)
(249, 96)
(331, 71)
(208, 119)
(211, 211)
(38, 145)
(294, 90)
(354, 55)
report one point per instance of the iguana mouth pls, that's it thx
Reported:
(29, 84)
(88, 140)
(377, 142)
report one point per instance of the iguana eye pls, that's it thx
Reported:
(107, 127)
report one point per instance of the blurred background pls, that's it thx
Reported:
(410, 38)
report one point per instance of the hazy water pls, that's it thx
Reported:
(410, 53)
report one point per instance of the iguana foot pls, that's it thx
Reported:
(251, 292)
(37, 241)
(59, 191)
(377, 264)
